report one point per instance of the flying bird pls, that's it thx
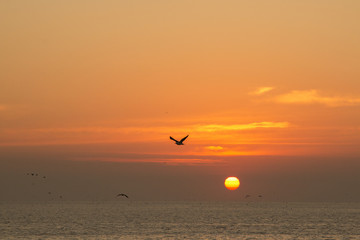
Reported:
(247, 196)
(179, 142)
(122, 195)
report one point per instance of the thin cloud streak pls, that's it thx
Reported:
(237, 127)
(214, 148)
(262, 90)
(184, 159)
(131, 130)
(131, 134)
(312, 96)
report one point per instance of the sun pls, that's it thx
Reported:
(232, 183)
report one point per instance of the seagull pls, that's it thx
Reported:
(247, 196)
(122, 194)
(179, 142)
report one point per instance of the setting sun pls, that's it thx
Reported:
(232, 183)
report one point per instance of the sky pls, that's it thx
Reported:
(268, 91)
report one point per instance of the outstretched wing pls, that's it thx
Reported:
(184, 139)
(122, 194)
(173, 139)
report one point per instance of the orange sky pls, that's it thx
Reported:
(243, 78)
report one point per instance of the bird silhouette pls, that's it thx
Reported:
(179, 142)
(247, 196)
(122, 195)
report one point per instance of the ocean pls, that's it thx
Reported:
(126, 219)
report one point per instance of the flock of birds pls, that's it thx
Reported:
(181, 142)
(38, 175)
(34, 174)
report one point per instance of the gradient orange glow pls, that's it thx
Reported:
(111, 81)
(232, 183)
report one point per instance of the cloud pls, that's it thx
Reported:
(173, 159)
(261, 90)
(198, 128)
(312, 96)
(218, 127)
(214, 148)
(125, 134)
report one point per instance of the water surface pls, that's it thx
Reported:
(179, 220)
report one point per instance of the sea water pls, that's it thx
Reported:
(179, 220)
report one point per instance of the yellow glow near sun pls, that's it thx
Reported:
(232, 183)
(214, 148)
